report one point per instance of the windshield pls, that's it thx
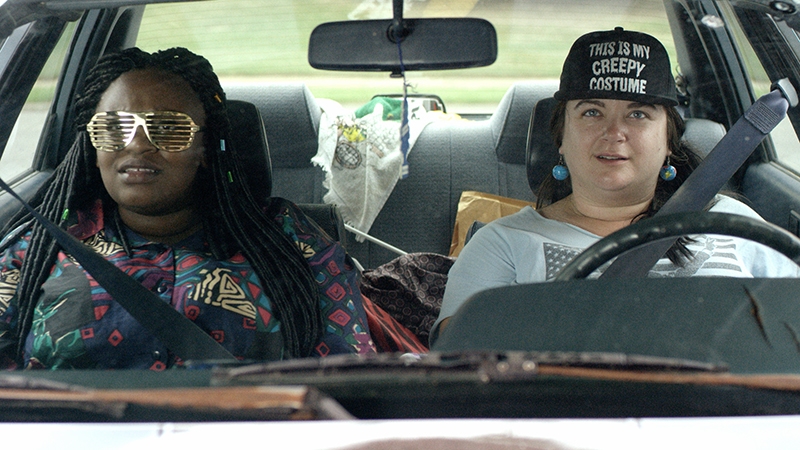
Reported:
(268, 41)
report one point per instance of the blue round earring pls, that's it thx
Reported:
(668, 172)
(560, 171)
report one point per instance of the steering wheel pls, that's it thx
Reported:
(676, 225)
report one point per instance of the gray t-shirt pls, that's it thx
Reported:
(525, 248)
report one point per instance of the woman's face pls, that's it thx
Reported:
(614, 149)
(140, 177)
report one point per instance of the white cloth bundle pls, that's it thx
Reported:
(362, 158)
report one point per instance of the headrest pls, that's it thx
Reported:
(291, 119)
(511, 119)
(249, 142)
(703, 135)
(541, 153)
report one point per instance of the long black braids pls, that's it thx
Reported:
(62, 191)
(233, 220)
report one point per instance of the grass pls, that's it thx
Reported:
(267, 39)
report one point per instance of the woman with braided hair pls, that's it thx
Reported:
(149, 185)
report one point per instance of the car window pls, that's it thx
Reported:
(20, 151)
(784, 138)
(268, 41)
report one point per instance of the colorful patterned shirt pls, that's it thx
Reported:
(77, 324)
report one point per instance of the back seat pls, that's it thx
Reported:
(449, 157)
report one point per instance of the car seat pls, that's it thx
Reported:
(249, 142)
(291, 122)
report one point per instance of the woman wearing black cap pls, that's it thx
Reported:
(621, 157)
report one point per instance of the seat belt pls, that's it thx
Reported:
(179, 334)
(712, 173)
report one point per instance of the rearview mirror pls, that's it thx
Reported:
(426, 44)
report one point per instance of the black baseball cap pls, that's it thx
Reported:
(618, 64)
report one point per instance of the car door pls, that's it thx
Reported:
(733, 52)
(770, 50)
(27, 77)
